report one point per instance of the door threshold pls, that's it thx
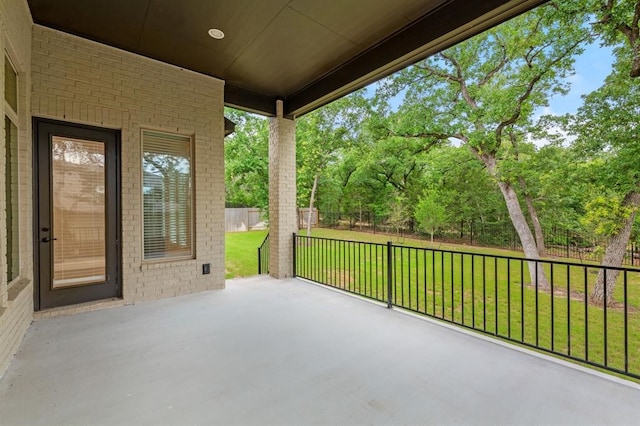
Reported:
(94, 305)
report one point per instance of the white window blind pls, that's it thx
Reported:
(78, 183)
(167, 195)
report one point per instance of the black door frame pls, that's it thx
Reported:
(115, 254)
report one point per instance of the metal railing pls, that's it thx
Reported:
(491, 294)
(558, 241)
(263, 256)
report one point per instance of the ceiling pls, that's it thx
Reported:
(305, 52)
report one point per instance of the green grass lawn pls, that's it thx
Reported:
(241, 253)
(241, 248)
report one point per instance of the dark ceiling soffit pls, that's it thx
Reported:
(229, 127)
(249, 101)
(449, 17)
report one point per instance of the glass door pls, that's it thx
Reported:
(77, 214)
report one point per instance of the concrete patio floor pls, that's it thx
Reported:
(288, 352)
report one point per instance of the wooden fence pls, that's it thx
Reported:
(243, 219)
(249, 219)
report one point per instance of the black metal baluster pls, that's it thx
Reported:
(433, 282)
(462, 321)
(417, 279)
(484, 292)
(377, 272)
(442, 286)
(323, 263)
(606, 343)
(569, 310)
(522, 300)
(408, 276)
(424, 283)
(495, 295)
(509, 298)
(389, 275)
(626, 325)
(473, 290)
(453, 315)
(553, 323)
(537, 315)
(586, 315)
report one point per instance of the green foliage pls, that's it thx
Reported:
(478, 90)
(607, 128)
(430, 214)
(618, 24)
(605, 214)
(483, 93)
(322, 136)
(478, 100)
(462, 185)
(399, 213)
(247, 161)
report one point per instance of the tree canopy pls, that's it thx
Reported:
(459, 138)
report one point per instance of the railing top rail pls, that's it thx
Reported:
(344, 241)
(266, 239)
(594, 265)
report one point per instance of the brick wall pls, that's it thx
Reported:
(283, 220)
(16, 298)
(84, 82)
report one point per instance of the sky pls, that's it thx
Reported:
(591, 69)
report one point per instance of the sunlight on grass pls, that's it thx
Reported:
(241, 253)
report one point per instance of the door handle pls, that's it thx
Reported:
(47, 239)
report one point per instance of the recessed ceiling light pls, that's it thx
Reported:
(216, 33)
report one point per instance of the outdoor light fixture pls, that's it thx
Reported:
(216, 33)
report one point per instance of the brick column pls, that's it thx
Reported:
(282, 194)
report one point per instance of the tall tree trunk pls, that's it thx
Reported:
(536, 270)
(614, 254)
(526, 237)
(311, 200)
(533, 214)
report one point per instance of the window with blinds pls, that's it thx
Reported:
(167, 193)
(11, 169)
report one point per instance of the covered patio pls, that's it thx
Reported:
(268, 351)
(106, 79)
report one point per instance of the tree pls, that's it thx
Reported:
(399, 213)
(608, 131)
(462, 186)
(486, 88)
(246, 157)
(430, 214)
(620, 20)
(320, 136)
